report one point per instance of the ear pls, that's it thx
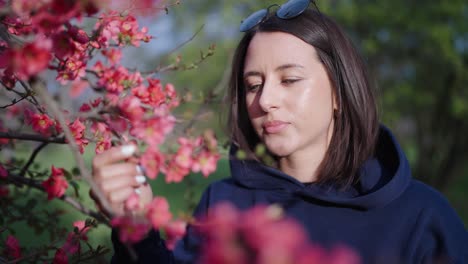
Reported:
(335, 100)
(336, 106)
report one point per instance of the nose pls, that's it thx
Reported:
(269, 97)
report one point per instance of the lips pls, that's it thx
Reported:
(275, 126)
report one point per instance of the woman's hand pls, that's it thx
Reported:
(118, 176)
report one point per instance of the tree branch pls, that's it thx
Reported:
(32, 137)
(33, 156)
(15, 101)
(53, 108)
(19, 180)
(31, 94)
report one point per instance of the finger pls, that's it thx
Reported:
(120, 195)
(114, 155)
(116, 170)
(120, 182)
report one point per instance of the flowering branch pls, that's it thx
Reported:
(32, 137)
(50, 103)
(177, 66)
(20, 179)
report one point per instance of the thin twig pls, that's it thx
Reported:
(21, 179)
(33, 156)
(14, 102)
(183, 43)
(31, 95)
(53, 108)
(32, 137)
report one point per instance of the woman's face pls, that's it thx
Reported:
(288, 95)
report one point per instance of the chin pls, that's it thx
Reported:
(279, 150)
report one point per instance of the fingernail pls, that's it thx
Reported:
(128, 150)
(138, 191)
(140, 179)
(138, 169)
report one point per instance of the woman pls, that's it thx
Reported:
(300, 88)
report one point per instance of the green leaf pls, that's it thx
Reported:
(76, 187)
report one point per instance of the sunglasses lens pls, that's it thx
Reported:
(292, 8)
(253, 20)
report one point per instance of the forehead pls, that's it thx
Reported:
(272, 49)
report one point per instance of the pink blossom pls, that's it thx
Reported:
(72, 244)
(12, 247)
(152, 160)
(8, 78)
(72, 68)
(156, 94)
(60, 257)
(123, 30)
(130, 230)
(133, 203)
(41, 123)
(104, 143)
(27, 61)
(78, 128)
(252, 237)
(78, 87)
(158, 212)
(56, 184)
(131, 108)
(183, 157)
(81, 225)
(174, 232)
(96, 102)
(153, 130)
(171, 93)
(205, 162)
(3, 172)
(118, 124)
(62, 45)
(114, 55)
(85, 108)
(115, 79)
(174, 172)
(18, 25)
(78, 35)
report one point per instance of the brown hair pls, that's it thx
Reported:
(356, 124)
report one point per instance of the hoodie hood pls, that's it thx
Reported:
(382, 178)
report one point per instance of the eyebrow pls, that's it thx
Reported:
(279, 68)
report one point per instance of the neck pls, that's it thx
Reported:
(302, 167)
(303, 164)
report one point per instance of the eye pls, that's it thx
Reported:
(289, 81)
(253, 87)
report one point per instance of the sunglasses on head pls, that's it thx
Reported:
(288, 10)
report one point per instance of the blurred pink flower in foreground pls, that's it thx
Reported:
(262, 235)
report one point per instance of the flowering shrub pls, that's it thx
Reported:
(46, 38)
(49, 37)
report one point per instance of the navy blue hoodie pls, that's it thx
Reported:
(387, 217)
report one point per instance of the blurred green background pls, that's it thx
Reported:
(417, 53)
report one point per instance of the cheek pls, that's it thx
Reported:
(314, 107)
